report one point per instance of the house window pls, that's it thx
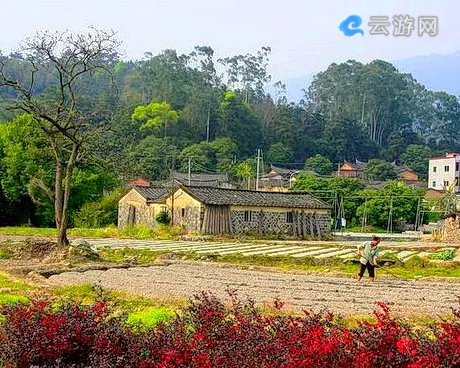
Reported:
(457, 166)
(289, 217)
(446, 168)
(446, 183)
(163, 209)
(247, 216)
(183, 212)
(434, 168)
(433, 184)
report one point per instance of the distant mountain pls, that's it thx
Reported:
(435, 72)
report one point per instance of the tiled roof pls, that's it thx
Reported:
(351, 164)
(282, 170)
(220, 196)
(153, 194)
(207, 180)
(139, 183)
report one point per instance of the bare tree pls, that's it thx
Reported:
(70, 61)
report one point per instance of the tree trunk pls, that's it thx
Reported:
(58, 193)
(62, 191)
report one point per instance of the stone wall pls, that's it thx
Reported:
(142, 214)
(134, 210)
(188, 217)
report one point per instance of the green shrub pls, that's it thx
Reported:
(163, 218)
(149, 318)
(445, 255)
(98, 214)
(9, 299)
(4, 254)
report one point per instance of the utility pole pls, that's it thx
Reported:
(189, 171)
(208, 122)
(172, 192)
(258, 164)
(362, 110)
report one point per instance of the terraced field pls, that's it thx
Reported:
(312, 249)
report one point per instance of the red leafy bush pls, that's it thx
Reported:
(209, 333)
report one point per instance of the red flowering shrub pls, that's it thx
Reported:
(209, 333)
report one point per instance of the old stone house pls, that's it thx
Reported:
(229, 211)
(278, 179)
(140, 205)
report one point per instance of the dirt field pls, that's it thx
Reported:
(299, 291)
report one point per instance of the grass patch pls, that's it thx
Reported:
(27, 231)
(136, 232)
(149, 318)
(7, 283)
(141, 256)
(10, 299)
(88, 294)
(367, 229)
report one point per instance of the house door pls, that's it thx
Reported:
(131, 215)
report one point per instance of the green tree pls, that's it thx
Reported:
(319, 164)
(26, 170)
(202, 156)
(346, 140)
(155, 115)
(279, 153)
(310, 182)
(338, 188)
(26, 160)
(377, 169)
(240, 124)
(416, 157)
(245, 170)
(225, 150)
(152, 158)
(248, 73)
(396, 196)
(63, 114)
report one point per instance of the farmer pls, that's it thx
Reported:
(368, 251)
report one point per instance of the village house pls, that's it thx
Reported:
(444, 171)
(356, 170)
(219, 211)
(278, 179)
(228, 211)
(140, 205)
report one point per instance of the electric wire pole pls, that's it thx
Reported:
(189, 171)
(258, 164)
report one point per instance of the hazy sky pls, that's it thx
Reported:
(303, 34)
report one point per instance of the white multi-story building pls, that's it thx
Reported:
(443, 171)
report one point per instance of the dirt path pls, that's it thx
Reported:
(300, 291)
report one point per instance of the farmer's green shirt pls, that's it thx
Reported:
(368, 253)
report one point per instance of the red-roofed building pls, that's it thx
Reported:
(140, 182)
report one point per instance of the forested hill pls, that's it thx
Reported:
(167, 108)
